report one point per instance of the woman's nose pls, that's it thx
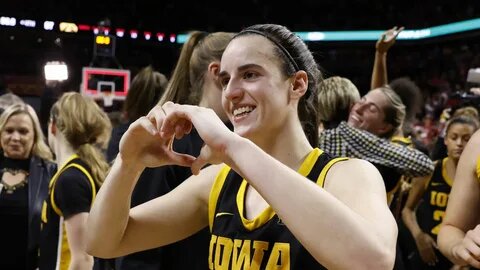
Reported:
(233, 91)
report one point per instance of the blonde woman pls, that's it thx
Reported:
(26, 169)
(77, 127)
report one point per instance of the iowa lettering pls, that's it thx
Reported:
(237, 254)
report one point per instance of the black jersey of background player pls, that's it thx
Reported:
(71, 191)
(431, 211)
(264, 242)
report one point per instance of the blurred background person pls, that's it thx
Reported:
(336, 96)
(77, 127)
(9, 99)
(26, 165)
(460, 230)
(427, 199)
(146, 89)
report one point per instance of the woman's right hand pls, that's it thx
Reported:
(426, 246)
(145, 145)
(387, 39)
(469, 249)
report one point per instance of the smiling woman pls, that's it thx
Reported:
(26, 166)
(274, 200)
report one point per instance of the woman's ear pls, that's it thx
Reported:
(299, 84)
(53, 127)
(214, 68)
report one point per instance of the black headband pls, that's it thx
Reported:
(287, 54)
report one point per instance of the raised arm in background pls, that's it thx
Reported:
(379, 73)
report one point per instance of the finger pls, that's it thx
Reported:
(179, 129)
(156, 116)
(466, 256)
(168, 128)
(146, 124)
(180, 159)
(182, 127)
(187, 126)
(472, 242)
(179, 120)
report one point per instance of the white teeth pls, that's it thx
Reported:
(242, 110)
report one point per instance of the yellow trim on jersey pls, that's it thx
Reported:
(252, 224)
(444, 172)
(309, 161)
(65, 254)
(405, 140)
(268, 212)
(215, 193)
(55, 178)
(323, 173)
(478, 168)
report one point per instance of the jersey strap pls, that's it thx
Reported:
(55, 178)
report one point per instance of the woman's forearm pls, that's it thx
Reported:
(109, 215)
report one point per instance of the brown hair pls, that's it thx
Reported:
(86, 127)
(185, 85)
(395, 112)
(145, 91)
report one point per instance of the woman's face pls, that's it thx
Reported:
(17, 136)
(255, 92)
(368, 113)
(457, 136)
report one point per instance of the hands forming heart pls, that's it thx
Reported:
(149, 140)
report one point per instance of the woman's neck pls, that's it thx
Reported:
(63, 153)
(288, 145)
(451, 165)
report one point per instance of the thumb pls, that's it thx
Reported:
(202, 159)
(180, 159)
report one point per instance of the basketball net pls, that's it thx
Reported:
(107, 99)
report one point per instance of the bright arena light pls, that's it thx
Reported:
(56, 71)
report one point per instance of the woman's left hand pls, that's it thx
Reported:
(216, 136)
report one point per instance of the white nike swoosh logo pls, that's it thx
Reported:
(223, 214)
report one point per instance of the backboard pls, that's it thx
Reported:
(99, 82)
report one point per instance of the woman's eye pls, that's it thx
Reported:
(249, 75)
(224, 82)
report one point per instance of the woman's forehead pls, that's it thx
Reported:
(248, 48)
(377, 96)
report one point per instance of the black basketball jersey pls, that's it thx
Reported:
(264, 242)
(71, 191)
(432, 209)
